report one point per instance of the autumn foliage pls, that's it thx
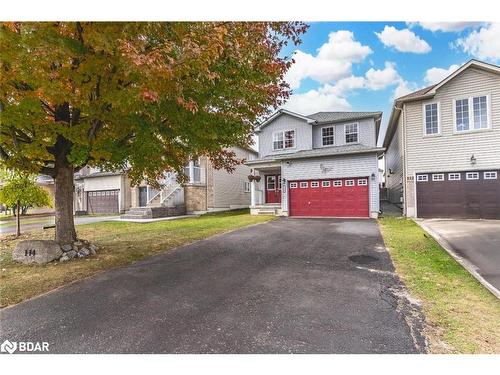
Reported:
(142, 96)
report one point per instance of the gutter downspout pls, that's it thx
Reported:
(405, 167)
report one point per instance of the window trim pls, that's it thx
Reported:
(470, 99)
(364, 180)
(283, 132)
(315, 183)
(472, 173)
(436, 175)
(494, 173)
(293, 185)
(304, 184)
(322, 136)
(245, 184)
(424, 124)
(325, 183)
(454, 179)
(267, 182)
(348, 183)
(357, 133)
(422, 177)
(337, 183)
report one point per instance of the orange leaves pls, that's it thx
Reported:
(150, 95)
(189, 105)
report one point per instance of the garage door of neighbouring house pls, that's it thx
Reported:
(343, 197)
(102, 202)
(474, 194)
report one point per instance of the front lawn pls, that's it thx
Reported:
(121, 243)
(462, 316)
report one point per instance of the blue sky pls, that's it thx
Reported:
(363, 66)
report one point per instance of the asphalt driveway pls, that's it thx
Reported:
(476, 241)
(287, 286)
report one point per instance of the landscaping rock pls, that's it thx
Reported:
(83, 252)
(70, 254)
(67, 247)
(64, 258)
(37, 251)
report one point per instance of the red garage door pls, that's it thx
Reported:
(343, 197)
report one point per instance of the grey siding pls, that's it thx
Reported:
(303, 135)
(228, 188)
(339, 166)
(451, 151)
(394, 162)
(366, 128)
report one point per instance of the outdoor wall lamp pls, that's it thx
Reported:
(373, 176)
(473, 159)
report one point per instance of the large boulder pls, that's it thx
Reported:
(37, 251)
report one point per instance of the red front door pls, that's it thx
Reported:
(273, 188)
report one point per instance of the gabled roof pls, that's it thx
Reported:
(280, 112)
(429, 92)
(327, 117)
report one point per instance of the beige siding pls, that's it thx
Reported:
(228, 188)
(451, 151)
(394, 162)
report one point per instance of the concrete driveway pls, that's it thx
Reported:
(475, 241)
(287, 286)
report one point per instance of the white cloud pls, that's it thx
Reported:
(324, 98)
(403, 40)
(333, 61)
(404, 88)
(332, 97)
(435, 75)
(380, 79)
(445, 26)
(483, 43)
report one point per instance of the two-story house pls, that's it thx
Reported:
(443, 146)
(206, 189)
(324, 164)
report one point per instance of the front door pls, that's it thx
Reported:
(273, 188)
(143, 196)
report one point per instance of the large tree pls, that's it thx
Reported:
(144, 96)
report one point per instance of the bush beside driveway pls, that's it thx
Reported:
(462, 316)
(121, 243)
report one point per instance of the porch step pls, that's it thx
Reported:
(153, 212)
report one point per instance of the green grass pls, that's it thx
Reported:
(121, 243)
(462, 316)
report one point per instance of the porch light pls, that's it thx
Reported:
(373, 176)
(473, 159)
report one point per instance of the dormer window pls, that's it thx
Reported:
(351, 133)
(284, 139)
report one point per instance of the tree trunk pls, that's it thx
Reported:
(65, 225)
(18, 220)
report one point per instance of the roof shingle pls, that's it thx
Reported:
(322, 117)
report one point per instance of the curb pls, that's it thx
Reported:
(471, 268)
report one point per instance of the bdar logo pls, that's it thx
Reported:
(8, 346)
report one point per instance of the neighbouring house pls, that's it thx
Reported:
(207, 189)
(443, 146)
(324, 164)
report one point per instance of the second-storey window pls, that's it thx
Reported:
(471, 113)
(351, 133)
(284, 139)
(328, 136)
(431, 118)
